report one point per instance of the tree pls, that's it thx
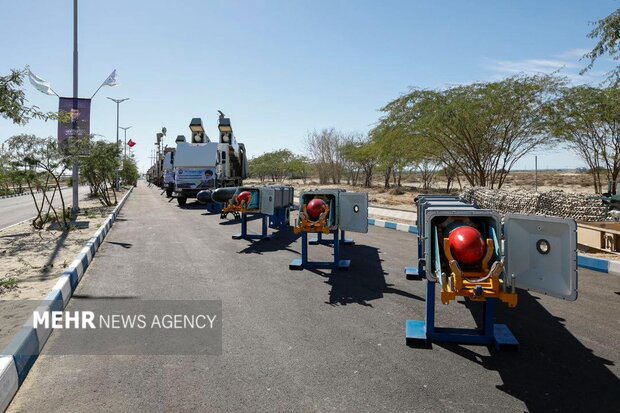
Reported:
(483, 129)
(300, 168)
(324, 151)
(451, 173)
(428, 171)
(5, 171)
(364, 155)
(129, 172)
(607, 31)
(99, 170)
(588, 119)
(351, 166)
(278, 166)
(41, 165)
(385, 143)
(398, 150)
(13, 101)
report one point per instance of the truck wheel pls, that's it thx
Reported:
(182, 200)
(168, 193)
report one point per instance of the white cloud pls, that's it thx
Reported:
(564, 64)
(574, 54)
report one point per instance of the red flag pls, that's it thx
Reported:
(131, 143)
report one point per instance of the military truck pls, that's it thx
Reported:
(201, 164)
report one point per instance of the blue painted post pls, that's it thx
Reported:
(244, 225)
(430, 309)
(304, 248)
(336, 249)
(489, 317)
(265, 227)
(344, 240)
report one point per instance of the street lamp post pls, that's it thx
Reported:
(125, 146)
(75, 176)
(118, 102)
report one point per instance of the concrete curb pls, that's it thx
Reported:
(16, 195)
(393, 225)
(591, 263)
(17, 223)
(19, 356)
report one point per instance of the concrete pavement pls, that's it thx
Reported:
(14, 210)
(317, 341)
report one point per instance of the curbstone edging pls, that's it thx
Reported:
(591, 263)
(15, 195)
(9, 381)
(412, 229)
(18, 357)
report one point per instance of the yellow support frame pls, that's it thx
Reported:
(233, 206)
(320, 225)
(476, 285)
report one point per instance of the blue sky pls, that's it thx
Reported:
(282, 68)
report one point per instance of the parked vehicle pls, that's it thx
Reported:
(168, 168)
(201, 164)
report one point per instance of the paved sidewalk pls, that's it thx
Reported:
(406, 217)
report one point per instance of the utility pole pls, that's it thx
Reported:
(125, 130)
(160, 137)
(535, 173)
(75, 176)
(118, 102)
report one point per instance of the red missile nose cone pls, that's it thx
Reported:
(315, 208)
(244, 197)
(467, 245)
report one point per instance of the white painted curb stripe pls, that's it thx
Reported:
(614, 267)
(64, 286)
(402, 227)
(9, 381)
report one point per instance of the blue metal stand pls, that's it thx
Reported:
(244, 229)
(416, 273)
(280, 219)
(421, 333)
(215, 207)
(320, 241)
(300, 264)
(413, 273)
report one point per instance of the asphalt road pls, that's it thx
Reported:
(315, 341)
(19, 208)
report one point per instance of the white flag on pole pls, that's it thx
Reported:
(111, 80)
(40, 84)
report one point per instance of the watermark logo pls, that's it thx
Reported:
(113, 326)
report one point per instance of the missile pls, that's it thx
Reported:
(205, 196)
(244, 196)
(467, 245)
(223, 194)
(315, 208)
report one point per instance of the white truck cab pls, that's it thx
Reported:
(202, 164)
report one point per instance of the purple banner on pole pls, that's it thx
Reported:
(79, 125)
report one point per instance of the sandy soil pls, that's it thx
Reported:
(31, 262)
